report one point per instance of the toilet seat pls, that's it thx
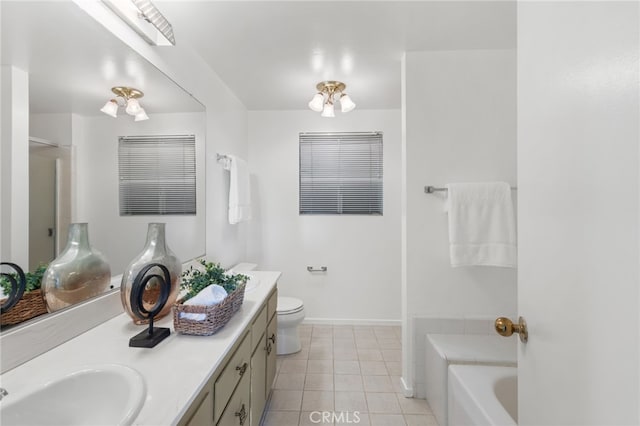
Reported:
(289, 305)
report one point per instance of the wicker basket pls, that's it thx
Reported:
(31, 305)
(216, 316)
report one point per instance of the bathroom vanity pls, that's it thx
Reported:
(224, 379)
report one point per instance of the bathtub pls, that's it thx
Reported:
(482, 395)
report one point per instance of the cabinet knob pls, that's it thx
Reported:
(273, 338)
(242, 369)
(242, 414)
(268, 348)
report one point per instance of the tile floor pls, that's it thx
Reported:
(344, 370)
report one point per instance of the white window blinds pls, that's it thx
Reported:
(157, 175)
(341, 173)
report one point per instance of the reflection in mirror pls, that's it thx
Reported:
(71, 63)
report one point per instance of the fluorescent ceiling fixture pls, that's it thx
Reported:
(328, 93)
(145, 19)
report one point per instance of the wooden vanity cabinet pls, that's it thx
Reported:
(237, 392)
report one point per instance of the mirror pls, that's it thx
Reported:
(71, 63)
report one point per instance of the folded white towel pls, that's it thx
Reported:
(209, 296)
(239, 189)
(482, 228)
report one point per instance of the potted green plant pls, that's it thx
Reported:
(195, 280)
(32, 302)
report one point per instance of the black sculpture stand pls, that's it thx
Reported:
(17, 286)
(152, 336)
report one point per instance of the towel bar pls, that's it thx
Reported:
(431, 189)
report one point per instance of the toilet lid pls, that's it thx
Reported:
(289, 305)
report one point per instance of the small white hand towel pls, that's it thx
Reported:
(208, 296)
(239, 189)
(482, 228)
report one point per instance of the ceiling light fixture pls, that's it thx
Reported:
(127, 98)
(145, 19)
(328, 93)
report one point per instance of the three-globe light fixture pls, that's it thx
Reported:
(127, 98)
(328, 93)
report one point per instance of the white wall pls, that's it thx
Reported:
(362, 253)
(121, 238)
(14, 166)
(52, 127)
(460, 111)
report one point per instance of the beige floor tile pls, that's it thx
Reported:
(301, 354)
(344, 343)
(285, 400)
(320, 366)
(396, 381)
(320, 382)
(366, 343)
(317, 401)
(345, 354)
(321, 341)
(290, 381)
(413, 405)
(346, 367)
(384, 332)
(343, 332)
(369, 355)
(305, 329)
(322, 331)
(290, 365)
(392, 355)
(377, 383)
(321, 352)
(389, 343)
(364, 332)
(386, 403)
(420, 420)
(281, 418)
(373, 368)
(387, 420)
(348, 382)
(357, 419)
(315, 418)
(350, 401)
(394, 368)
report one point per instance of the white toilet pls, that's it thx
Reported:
(290, 314)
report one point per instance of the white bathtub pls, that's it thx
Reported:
(482, 395)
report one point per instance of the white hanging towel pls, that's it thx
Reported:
(239, 189)
(482, 226)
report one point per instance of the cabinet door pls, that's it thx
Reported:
(258, 381)
(237, 412)
(204, 413)
(272, 335)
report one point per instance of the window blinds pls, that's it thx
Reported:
(341, 173)
(157, 175)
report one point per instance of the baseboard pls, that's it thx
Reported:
(407, 390)
(363, 322)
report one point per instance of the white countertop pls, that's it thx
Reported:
(174, 371)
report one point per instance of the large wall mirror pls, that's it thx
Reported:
(72, 62)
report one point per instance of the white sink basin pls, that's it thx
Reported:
(102, 395)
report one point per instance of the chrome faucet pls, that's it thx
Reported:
(3, 393)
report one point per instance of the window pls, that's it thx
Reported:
(157, 175)
(341, 173)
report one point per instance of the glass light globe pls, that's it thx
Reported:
(141, 115)
(316, 102)
(328, 110)
(110, 108)
(133, 106)
(346, 103)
